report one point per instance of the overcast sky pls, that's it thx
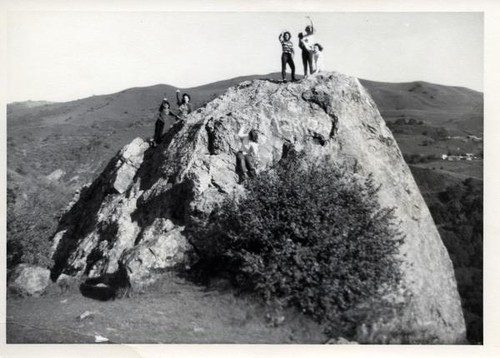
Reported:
(61, 56)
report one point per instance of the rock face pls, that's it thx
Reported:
(28, 280)
(136, 214)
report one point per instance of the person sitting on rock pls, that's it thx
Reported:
(318, 58)
(287, 55)
(160, 122)
(306, 43)
(184, 105)
(248, 155)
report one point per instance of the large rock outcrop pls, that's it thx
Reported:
(138, 217)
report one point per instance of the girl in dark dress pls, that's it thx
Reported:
(164, 111)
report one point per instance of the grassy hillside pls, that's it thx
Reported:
(457, 109)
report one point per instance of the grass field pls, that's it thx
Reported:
(462, 169)
(174, 311)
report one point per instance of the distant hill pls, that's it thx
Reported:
(456, 108)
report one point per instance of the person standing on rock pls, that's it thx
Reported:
(304, 50)
(306, 43)
(318, 58)
(160, 122)
(248, 155)
(287, 55)
(184, 105)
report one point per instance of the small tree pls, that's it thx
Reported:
(313, 237)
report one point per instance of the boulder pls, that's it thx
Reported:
(141, 219)
(28, 280)
(161, 247)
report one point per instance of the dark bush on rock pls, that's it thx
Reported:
(312, 237)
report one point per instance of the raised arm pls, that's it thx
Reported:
(312, 26)
(280, 37)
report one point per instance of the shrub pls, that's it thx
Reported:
(441, 133)
(315, 238)
(459, 213)
(31, 223)
(29, 247)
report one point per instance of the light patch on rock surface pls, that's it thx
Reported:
(55, 241)
(162, 246)
(130, 159)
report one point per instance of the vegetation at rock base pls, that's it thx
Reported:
(419, 158)
(28, 231)
(458, 212)
(314, 238)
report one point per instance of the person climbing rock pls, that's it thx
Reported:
(184, 105)
(318, 58)
(248, 155)
(306, 43)
(287, 54)
(164, 111)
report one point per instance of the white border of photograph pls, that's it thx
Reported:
(491, 347)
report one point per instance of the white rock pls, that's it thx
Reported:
(29, 280)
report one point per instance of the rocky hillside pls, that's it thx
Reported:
(135, 214)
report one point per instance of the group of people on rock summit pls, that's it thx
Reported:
(247, 156)
(312, 52)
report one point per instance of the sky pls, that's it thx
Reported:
(62, 56)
